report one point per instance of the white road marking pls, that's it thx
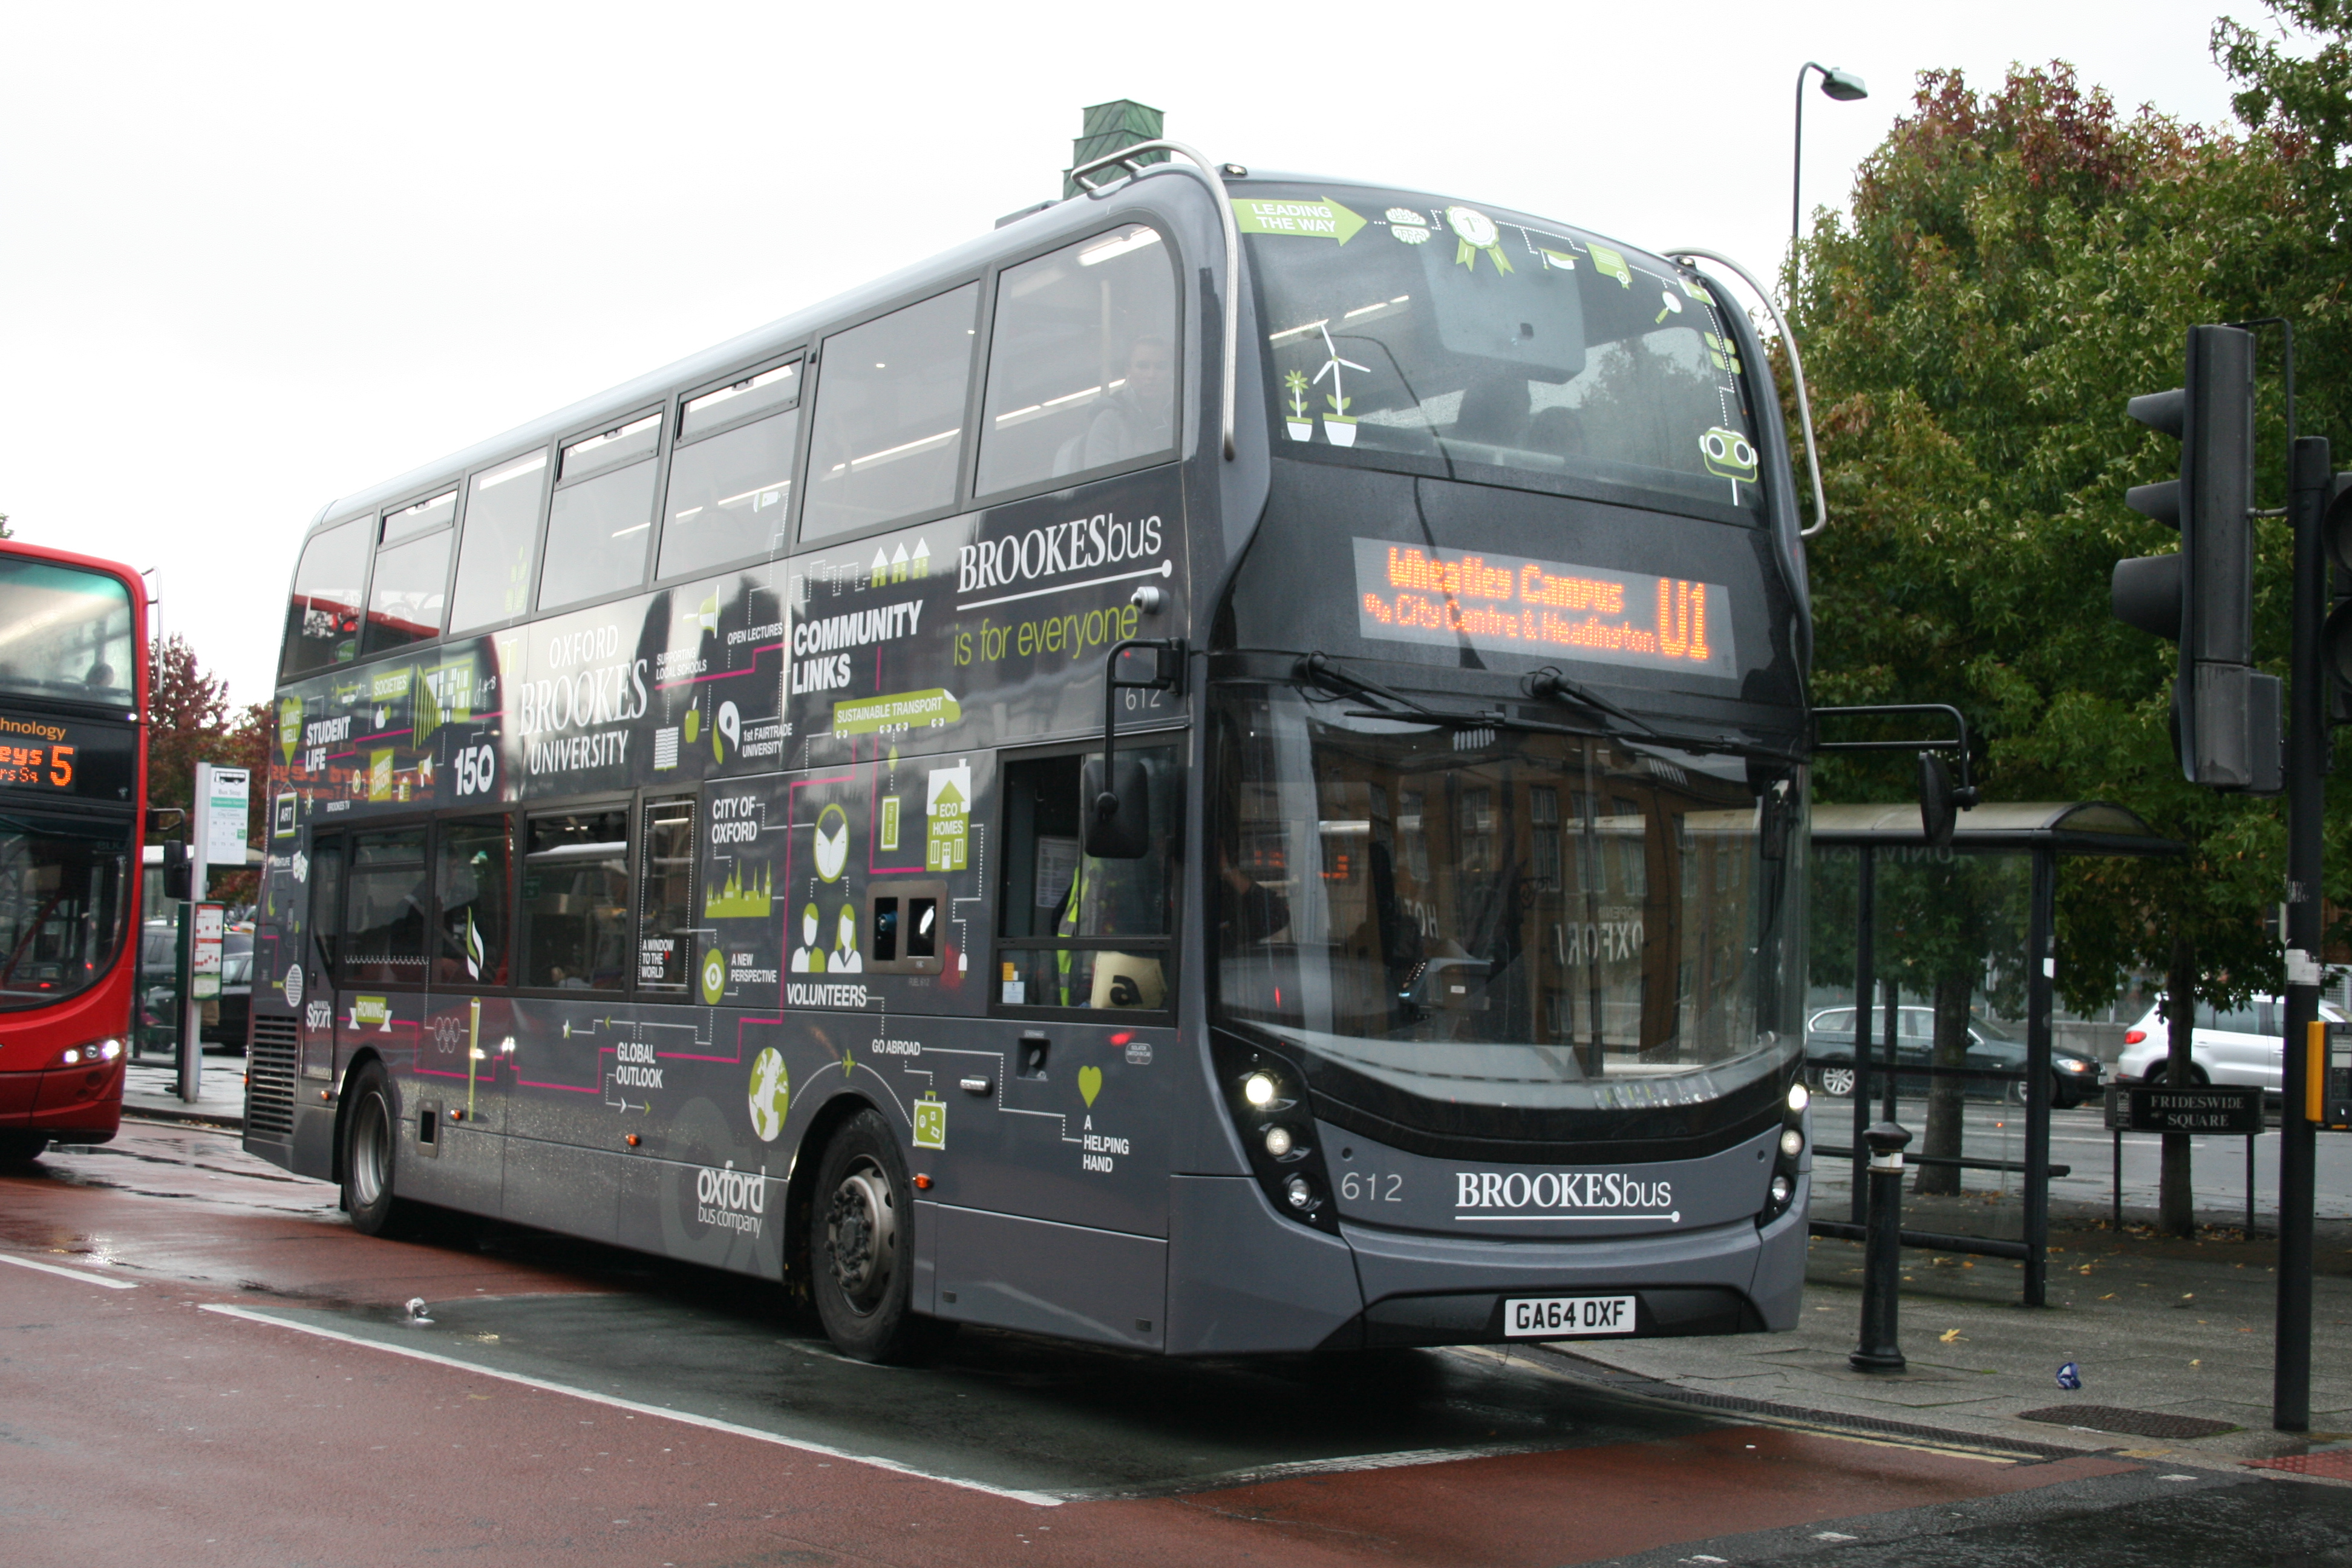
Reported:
(1040, 1499)
(84, 1275)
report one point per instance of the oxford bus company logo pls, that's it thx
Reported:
(1551, 1195)
(730, 1199)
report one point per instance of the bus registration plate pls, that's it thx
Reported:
(1568, 1316)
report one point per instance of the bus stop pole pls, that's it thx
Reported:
(1865, 991)
(192, 1012)
(2312, 487)
(2041, 966)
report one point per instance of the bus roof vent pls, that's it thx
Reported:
(1110, 127)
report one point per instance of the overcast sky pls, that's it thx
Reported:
(254, 259)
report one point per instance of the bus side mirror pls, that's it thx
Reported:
(1939, 812)
(179, 876)
(1114, 794)
(1117, 819)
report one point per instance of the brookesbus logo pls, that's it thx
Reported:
(732, 1199)
(1548, 1194)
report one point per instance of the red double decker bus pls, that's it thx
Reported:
(73, 785)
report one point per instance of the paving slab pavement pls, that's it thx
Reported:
(2160, 1330)
(151, 1089)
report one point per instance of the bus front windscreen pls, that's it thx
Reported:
(65, 633)
(1485, 930)
(64, 886)
(1407, 330)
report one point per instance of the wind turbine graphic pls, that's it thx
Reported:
(1339, 424)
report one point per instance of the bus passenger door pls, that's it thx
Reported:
(1060, 1219)
(569, 1114)
(460, 1064)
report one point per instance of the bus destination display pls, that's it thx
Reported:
(49, 756)
(1513, 603)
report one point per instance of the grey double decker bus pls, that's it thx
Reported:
(1220, 770)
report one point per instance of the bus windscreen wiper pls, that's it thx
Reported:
(1549, 685)
(1319, 669)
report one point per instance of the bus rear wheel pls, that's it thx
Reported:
(371, 1157)
(21, 1147)
(863, 1253)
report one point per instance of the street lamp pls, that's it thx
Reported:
(1838, 83)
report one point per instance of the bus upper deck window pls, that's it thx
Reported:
(494, 557)
(322, 619)
(1082, 361)
(405, 597)
(65, 633)
(602, 514)
(887, 434)
(731, 476)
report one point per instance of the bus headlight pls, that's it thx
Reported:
(1783, 1190)
(1277, 1141)
(1800, 1097)
(90, 1055)
(1300, 1194)
(1259, 1089)
(1793, 1143)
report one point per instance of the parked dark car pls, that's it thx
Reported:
(226, 1021)
(1829, 1057)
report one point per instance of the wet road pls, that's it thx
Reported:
(202, 1359)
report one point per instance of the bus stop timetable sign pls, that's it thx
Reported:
(205, 953)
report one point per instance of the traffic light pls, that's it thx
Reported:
(2336, 639)
(2225, 714)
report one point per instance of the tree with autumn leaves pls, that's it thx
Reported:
(192, 721)
(2016, 264)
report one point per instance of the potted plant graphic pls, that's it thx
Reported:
(1298, 421)
(1339, 424)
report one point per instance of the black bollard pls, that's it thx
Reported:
(1882, 1263)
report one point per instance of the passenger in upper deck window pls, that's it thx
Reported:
(1138, 417)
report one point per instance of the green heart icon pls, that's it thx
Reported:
(1089, 1084)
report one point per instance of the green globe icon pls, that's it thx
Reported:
(772, 1094)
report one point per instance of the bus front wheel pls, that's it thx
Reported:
(863, 1259)
(371, 1156)
(21, 1147)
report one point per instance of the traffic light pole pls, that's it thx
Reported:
(2313, 486)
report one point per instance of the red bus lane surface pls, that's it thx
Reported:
(315, 1421)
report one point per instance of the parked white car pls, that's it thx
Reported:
(2246, 1046)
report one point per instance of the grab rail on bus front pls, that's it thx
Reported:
(1796, 371)
(1128, 156)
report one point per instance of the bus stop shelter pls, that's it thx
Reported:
(2002, 863)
